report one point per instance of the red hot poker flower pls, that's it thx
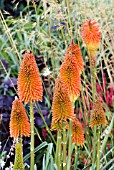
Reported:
(91, 35)
(74, 49)
(69, 73)
(19, 122)
(98, 117)
(29, 81)
(61, 105)
(77, 132)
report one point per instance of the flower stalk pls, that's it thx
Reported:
(69, 146)
(64, 148)
(18, 164)
(76, 157)
(91, 36)
(93, 81)
(98, 149)
(58, 150)
(32, 136)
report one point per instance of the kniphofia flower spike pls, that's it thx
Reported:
(77, 132)
(61, 105)
(91, 35)
(73, 49)
(98, 117)
(29, 81)
(19, 122)
(69, 73)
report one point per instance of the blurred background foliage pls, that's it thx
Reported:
(46, 27)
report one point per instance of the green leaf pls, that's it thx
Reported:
(42, 145)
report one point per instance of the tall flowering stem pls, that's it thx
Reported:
(32, 136)
(91, 37)
(30, 90)
(58, 150)
(69, 145)
(61, 111)
(97, 119)
(64, 147)
(76, 157)
(18, 163)
(98, 149)
(67, 90)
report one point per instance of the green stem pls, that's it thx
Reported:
(57, 146)
(76, 158)
(93, 81)
(94, 146)
(70, 146)
(32, 136)
(98, 150)
(58, 151)
(93, 77)
(18, 163)
(64, 148)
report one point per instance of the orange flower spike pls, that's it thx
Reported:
(74, 49)
(29, 80)
(98, 117)
(61, 105)
(19, 122)
(58, 125)
(69, 73)
(77, 132)
(91, 35)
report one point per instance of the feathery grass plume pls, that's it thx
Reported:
(61, 105)
(91, 36)
(18, 164)
(29, 80)
(69, 73)
(98, 117)
(77, 132)
(19, 122)
(74, 49)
